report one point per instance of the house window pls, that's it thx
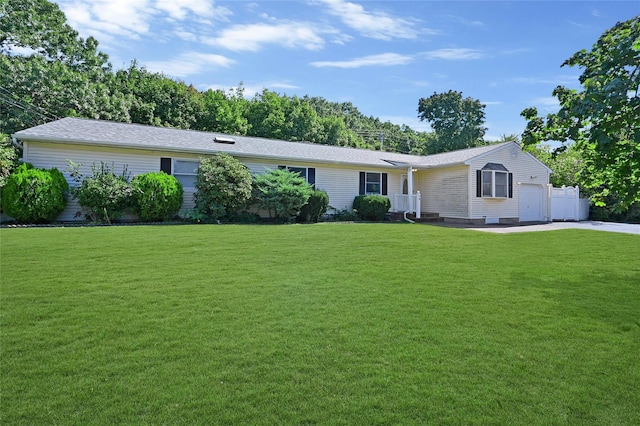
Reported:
(373, 183)
(494, 181)
(185, 171)
(308, 173)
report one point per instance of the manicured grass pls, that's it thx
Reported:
(318, 324)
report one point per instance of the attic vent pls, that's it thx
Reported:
(219, 139)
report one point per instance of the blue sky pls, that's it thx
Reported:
(383, 56)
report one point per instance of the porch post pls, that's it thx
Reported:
(410, 189)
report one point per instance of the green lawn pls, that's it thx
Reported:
(318, 324)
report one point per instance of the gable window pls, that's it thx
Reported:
(494, 181)
(308, 173)
(185, 171)
(373, 183)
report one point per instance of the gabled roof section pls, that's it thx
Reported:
(137, 136)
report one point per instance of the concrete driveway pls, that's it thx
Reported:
(594, 225)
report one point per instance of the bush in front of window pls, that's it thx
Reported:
(33, 195)
(103, 196)
(281, 192)
(371, 207)
(223, 186)
(158, 196)
(316, 206)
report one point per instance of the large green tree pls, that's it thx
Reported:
(602, 120)
(457, 121)
(48, 71)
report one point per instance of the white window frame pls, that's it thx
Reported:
(179, 175)
(367, 182)
(491, 184)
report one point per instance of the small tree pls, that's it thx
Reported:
(103, 196)
(223, 186)
(158, 196)
(34, 195)
(281, 192)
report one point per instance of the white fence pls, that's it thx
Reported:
(566, 204)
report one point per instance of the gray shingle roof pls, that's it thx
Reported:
(124, 135)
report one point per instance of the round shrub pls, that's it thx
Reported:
(34, 195)
(223, 186)
(158, 196)
(316, 206)
(371, 207)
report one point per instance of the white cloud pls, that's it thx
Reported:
(383, 59)
(189, 63)
(252, 37)
(378, 25)
(545, 104)
(108, 20)
(105, 19)
(179, 9)
(453, 54)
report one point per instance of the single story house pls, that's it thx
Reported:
(492, 183)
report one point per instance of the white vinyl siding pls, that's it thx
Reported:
(57, 155)
(340, 183)
(525, 169)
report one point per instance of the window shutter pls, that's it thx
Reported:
(510, 185)
(478, 183)
(311, 176)
(165, 165)
(384, 184)
(362, 183)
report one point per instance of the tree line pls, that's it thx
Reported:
(47, 71)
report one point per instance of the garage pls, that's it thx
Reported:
(531, 204)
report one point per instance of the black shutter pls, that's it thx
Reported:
(384, 184)
(165, 165)
(311, 176)
(478, 183)
(362, 183)
(510, 185)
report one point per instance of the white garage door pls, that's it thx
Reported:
(531, 203)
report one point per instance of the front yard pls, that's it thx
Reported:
(318, 324)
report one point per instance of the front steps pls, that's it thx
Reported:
(425, 217)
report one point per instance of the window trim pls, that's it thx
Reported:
(383, 183)
(493, 170)
(176, 175)
(493, 182)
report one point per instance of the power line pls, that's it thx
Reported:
(12, 100)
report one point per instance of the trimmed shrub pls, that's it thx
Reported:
(316, 206)
(281, 192)
(223, 186)
(158, 196)
(371, 207)
(103, 196)
(34, 195)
